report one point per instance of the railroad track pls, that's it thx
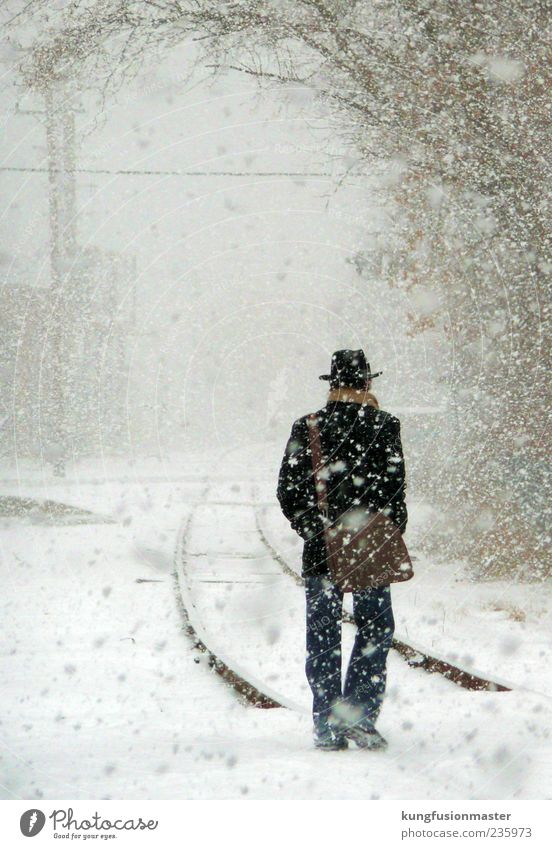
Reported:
(247, 690)
(255, 691)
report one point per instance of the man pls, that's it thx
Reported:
(364, 465)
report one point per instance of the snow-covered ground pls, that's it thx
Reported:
(104, 697)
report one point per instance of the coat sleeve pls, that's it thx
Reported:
(395, 476)
(296, 492)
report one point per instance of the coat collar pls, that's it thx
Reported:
(353, 396)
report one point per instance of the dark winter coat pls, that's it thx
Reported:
(363, 459)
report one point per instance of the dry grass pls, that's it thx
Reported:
(47, 512)
(512, 612)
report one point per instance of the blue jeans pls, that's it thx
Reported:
(365, 679)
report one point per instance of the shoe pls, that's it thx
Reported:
(328, 738)
(366, 736)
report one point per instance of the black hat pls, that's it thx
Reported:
(349, 368)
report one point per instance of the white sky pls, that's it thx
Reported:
(243, 284)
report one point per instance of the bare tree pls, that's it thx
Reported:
(458, 95)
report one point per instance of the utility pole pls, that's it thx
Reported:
(60, 136)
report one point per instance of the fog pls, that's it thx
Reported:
(223, 273)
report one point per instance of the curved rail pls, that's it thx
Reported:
(251, 693)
